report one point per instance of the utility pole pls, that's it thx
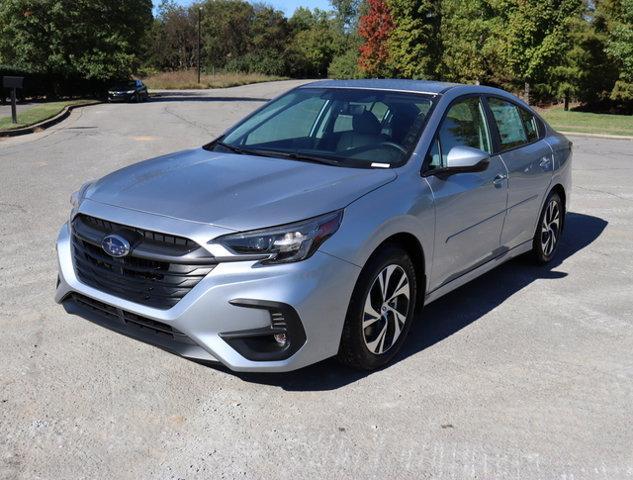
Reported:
(199, 21)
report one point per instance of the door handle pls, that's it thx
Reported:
(499, 178)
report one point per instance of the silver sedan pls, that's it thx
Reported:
(317, 226)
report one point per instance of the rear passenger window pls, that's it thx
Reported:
(509, 123)
(529, 122)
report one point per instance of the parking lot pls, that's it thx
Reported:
(525, 373)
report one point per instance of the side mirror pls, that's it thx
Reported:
(466, 159)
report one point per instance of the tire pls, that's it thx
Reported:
(548, 230)
(386, 329)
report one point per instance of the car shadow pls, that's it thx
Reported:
(449, 314)
(192, 97)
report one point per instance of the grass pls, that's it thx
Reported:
(584, 122)
(37, 113)
(188, 79)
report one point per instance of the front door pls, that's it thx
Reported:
(469, 207)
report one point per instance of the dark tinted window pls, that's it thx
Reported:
(509, 123)
(529, 122)
(464, 125)
(125, 85)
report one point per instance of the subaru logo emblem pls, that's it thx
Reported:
(115, 245)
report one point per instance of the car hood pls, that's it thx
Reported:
(237, 192)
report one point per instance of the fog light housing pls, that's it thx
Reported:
(279, 341)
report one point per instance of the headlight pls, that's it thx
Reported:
(77, 197)
(288, 243)
(130, 91)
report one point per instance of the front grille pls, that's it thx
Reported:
(120, 319)
(160, 270)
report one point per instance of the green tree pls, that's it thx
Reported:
(173, 39)
(586, 73)
(241, 36)
(92, 39)
(537, 39)
(315, 42)
(269, 34)
(345, 65)
(414, 43)
(346, 14)
(472, 42)
(620, 48)
(269, 28)
(226, 28)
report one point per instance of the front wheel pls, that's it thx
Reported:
(381, 310)
(549, 230)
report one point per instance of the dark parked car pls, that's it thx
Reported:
(128, 91)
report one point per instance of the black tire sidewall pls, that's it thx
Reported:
(353, 350)
(537, 248)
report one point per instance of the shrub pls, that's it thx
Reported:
(345, 66)
(267, 63)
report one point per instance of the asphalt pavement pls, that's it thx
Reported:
(524, 373)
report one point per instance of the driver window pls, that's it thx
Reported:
(464, 125)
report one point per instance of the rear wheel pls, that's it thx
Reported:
(549, 230)
(380, 311)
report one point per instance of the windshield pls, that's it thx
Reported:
(356, 128)
(125, 85)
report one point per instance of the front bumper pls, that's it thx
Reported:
(317, 289)
(120, 97)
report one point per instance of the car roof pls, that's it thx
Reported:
(402, 85)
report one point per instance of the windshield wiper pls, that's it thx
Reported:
(245, 151)
(277, 153)
(306, 158)
(233, 148)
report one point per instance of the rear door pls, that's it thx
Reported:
(529, 160)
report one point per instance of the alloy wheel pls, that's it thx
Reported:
(386, 309)
(550, 228)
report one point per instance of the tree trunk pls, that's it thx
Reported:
(566, 101)
(527, 92)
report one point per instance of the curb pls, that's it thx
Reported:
(597, 135)
(44, 124)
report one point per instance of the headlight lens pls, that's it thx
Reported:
(130, 91)
(287, 243)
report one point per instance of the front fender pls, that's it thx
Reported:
(402, 206)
